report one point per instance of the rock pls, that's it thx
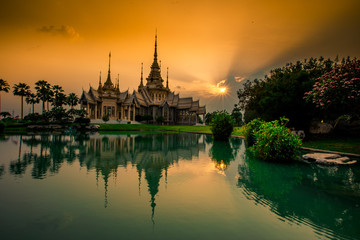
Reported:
(320, 128)
(328, 159)
(92, 127)
(299, 133)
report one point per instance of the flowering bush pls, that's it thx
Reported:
(338, 89)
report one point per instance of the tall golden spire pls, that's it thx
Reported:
(109, 60)
(154, 77)
(118, 83)
(155, 53)
(141, 80)
(108, 84)
(167, 78)
(100, 85)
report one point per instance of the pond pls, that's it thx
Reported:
(167, 186)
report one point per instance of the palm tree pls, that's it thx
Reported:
(31, 98)
(21, 89)
(72, 100)
(4, 86)
(43, 91)
(59, 96)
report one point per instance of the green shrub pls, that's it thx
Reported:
(33, 117)
(222, 125)
(106, 118)
(138, 118)
(2, 127)
(58, 114)
(160, 119)
(275, 142)
(250, 129)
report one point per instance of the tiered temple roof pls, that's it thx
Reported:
(145, 95)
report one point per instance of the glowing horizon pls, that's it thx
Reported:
(67, 42)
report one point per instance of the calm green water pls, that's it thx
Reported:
(167, 186)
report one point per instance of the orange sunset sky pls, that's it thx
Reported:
(67, 42)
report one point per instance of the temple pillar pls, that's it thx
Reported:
(88, 110)
(128, 113)
(133, 113)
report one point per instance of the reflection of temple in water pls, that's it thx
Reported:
(152, 155)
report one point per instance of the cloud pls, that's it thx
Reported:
(239, 79)
(221, 83)
(66, 31)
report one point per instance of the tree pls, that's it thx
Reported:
(106, 118)
(160, 120)
(59, 98)
(237, 115)
(72, 100)
(222, 125)
(21, 89)
(4, 87)
(281, 93)
(32, 99)
(5, 114)
(338, 91)
(209, 117)
(43, 91)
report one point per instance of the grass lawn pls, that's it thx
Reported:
(153, 128)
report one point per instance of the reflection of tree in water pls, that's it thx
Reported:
(2, 170)
(54, 150)
(302, 193)
(222, 153)
(151, 154)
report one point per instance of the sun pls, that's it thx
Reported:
(222, 90)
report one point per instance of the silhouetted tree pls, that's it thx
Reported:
(4, 87)
(32, 99)
(237, 115)
(59, 96)
(72, 100)
(21, 89)
(43, 91)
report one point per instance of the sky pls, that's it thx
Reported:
(206, 44)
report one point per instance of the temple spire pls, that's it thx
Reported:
(108, 84)
(141, 80)
(118, 84)
(108, 78)
(154, 80)
(109, 61)
(155, 53)
(167, 78)
(100, 85)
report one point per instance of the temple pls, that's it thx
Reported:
(152, 101)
